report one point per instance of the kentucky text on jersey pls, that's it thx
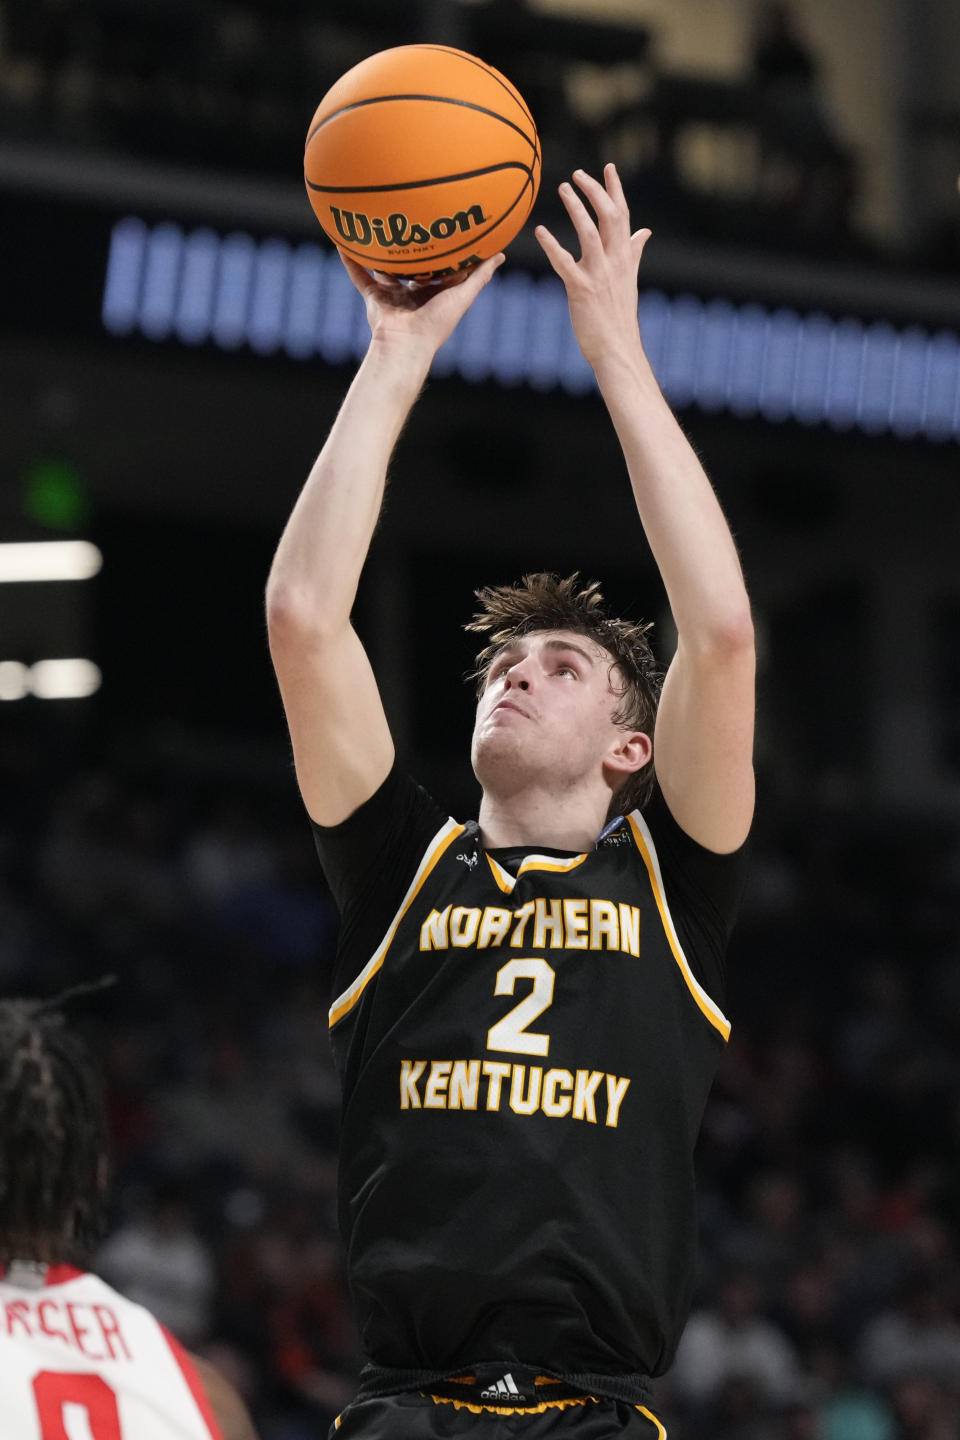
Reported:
(91, 1330)
(542, 924)
(526, 1089)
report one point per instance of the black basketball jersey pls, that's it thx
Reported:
(525, 1041)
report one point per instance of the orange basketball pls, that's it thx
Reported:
(421, 161)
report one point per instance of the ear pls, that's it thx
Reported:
(630, 751)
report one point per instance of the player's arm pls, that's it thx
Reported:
(341, 742)
(703, 743)
(229, 1410)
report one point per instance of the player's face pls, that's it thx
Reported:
(546, 710)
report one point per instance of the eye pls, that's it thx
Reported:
(567, 670)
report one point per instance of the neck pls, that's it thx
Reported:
(537, 817)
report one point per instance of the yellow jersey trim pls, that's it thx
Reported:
(444, 837)
(506, 881)
(503, 877)
(661, 1429)
(553, 863)
(550, 862)
(648, 851)
(477, 1409)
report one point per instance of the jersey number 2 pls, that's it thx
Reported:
(54, 1391)
(511, 1032)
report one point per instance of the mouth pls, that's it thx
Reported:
(510, 705)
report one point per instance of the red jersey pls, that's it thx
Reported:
(80, 1362)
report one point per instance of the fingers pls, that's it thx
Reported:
(360, 277)
(469, 283)
(561, 260)
(638, 243)
(583, 222)
(476, 276)
(606, 199)
(483, 273)
(612, 223)
(611, 178)
(395, 287)
(375, 285)
(459, 293)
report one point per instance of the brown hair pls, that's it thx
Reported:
(547, 602)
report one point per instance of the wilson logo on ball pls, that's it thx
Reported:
(396, 230)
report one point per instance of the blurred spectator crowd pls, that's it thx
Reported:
(828, 1295)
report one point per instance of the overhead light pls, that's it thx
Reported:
(49, 679)
(14, 680)
(29, 560)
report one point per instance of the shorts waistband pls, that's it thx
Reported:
(513, 1384)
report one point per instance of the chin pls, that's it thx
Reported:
(499, 759)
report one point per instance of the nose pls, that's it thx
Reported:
(518, 676)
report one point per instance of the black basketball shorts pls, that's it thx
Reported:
(512, 1407)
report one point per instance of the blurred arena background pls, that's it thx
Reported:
(174, 340)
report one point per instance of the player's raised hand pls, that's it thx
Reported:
(426, 315)
(602, 285)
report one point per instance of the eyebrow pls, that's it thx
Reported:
(570, 645)
(512, 646)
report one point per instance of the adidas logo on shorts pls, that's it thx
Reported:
(504, 1390)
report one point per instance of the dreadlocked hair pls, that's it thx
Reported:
(543, 601)
(53, 1143)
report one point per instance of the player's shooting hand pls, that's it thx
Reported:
(602, 285)
(422, 315)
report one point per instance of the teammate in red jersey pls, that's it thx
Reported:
(75, 1356)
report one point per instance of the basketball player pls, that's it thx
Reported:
(527, 1008)
(76, 1358)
